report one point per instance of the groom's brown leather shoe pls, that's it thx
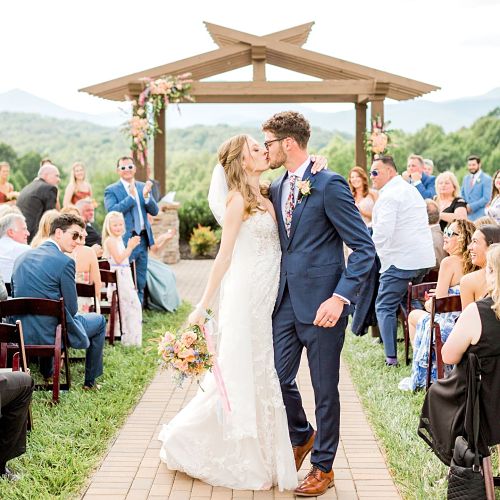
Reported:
(300, 451)
(315, 483)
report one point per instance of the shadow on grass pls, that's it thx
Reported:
(69, 439)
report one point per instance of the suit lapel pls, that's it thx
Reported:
(299, 207)
(277, 204)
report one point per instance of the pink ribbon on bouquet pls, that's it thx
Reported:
(219, 381)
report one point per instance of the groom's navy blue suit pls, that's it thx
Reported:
(312, 270)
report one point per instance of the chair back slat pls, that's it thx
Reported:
(33, 306)
(451, 303)
(104, 264)
(85, 290)
(107, 276)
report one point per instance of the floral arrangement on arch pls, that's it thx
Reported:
(378, 140)
(157, 94)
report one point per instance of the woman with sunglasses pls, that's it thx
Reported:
(451, 205)
(457, 237)
(493, 208)
(473, 286)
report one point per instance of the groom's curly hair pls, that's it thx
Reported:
(289, 124)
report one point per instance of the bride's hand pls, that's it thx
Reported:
(320, 163)
(197, 317)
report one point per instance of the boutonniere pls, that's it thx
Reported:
(305, 189)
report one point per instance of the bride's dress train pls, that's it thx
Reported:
(249, 447)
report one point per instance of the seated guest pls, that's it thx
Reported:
(93, 238)
(428, 166)
(473, 286)
(485, 221)
(437, 235)
(15, 396)
(457, 238)
(13, 242)
(45, 272)
(417, 177)
(160, 279)
(493, 207)
(444, 410)
(3, 290)
(364, 197)
(43, 231)
(451, 205)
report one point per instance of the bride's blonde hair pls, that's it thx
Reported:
(230, 156)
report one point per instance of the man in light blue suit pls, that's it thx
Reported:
(416, 176)
(133, 199)
(476, 188)
(46, 272)
(316, 215)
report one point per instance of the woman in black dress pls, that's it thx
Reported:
(476, 331)
(451, 205)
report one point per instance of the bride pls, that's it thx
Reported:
(249, 446)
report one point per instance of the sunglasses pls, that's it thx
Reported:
(374, 173)
(76, 235)
(131, 166)
(448, 232)
(266, 143)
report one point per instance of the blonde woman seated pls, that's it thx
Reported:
(457, 238)
(43, 232)
(473, 287)
(451, 205)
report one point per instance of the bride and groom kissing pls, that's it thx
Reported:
(284, 287)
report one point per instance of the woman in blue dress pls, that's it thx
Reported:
(457, 237)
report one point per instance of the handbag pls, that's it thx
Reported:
(465, 477)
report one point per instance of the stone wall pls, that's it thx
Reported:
(168, 218)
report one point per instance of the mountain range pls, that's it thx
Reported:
(407, 115)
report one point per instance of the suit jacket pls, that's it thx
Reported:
(427, 186)
(117, 199)
(45, 272)
(35, 199)
(312, 260)
(478, 195)
(93, 235)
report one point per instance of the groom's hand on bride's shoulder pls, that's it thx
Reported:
(329, 312)
(319, 163)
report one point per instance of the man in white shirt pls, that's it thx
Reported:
(403, 242)
(13, 242)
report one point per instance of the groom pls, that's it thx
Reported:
(316, 215)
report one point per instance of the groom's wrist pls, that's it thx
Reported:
(342, 299)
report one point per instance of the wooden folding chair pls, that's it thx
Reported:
(415, 292)
(104, 264)
(452, 303)
(88, 291)
(12, 341)
(111, 309)
(45, 307)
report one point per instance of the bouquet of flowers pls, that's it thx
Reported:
(186, 352)
(378, 140)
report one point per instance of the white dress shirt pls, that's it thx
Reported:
(126, 185)
(10, 250)
(401, 233)
(299, 173)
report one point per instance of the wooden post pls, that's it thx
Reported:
(360, 153)
(259, 63)
(160, 152)
(377, 109)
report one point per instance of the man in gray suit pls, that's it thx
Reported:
(46, 272)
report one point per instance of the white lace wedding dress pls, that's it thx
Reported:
(249, 447)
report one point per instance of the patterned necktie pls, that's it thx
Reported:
(290, 203)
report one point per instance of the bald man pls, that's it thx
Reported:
(39, 196)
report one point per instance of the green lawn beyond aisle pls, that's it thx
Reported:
(394, 417)
(69, 439)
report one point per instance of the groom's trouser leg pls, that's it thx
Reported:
(323, 354)
(287, 352)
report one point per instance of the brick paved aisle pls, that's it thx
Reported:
(132, 469)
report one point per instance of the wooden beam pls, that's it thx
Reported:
(259, 63)
(160, 152)
(360, 153)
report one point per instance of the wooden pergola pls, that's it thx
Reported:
(340, 81)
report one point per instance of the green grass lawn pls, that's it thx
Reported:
(394, 417)
(69, 440)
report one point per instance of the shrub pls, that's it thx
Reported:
(202, 241)
(193, 213)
